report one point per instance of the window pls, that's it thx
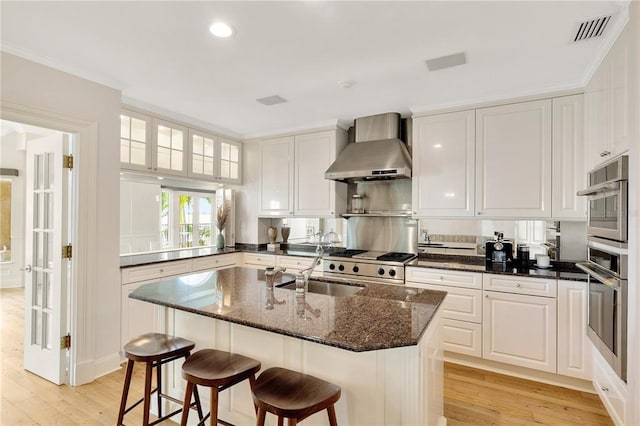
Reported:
(192, 226)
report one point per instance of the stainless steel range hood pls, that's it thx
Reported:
(377, 154)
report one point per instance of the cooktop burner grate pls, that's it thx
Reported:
(395, 257)
(346, 253)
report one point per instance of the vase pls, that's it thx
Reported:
(220, 241)
(285, 234)
(272, 232)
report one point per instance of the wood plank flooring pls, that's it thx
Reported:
(472, 397)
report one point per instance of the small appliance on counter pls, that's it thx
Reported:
(499, 250)
(522, 253)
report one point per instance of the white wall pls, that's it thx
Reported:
(12, 156)
(55, 93)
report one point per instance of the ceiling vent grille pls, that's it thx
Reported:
(591, 28)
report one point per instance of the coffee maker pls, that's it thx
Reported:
(499, 250)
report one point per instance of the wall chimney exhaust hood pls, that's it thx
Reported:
(377, 154)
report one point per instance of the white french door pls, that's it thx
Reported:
(46, 272)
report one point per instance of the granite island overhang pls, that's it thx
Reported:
(382, 345)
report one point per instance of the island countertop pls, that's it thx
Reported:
(377, 317)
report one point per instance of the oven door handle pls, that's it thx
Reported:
(601, 187)
(609, 281)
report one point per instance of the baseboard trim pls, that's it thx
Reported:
(88, 371)
(521, 372)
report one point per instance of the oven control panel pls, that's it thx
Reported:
(350, 268)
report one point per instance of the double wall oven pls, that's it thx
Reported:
(607, 260)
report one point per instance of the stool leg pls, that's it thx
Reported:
(186, 404)
(198, 404)
(331, 411)
(159, 387)
(125, 391)
(252, 382)
(147, 392)
(292, 422)
(280, 421)
(214, 406)
(261, 415)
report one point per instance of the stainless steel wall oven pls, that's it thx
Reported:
(607, 261)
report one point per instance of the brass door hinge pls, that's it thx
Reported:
(67, 161)
(65, 341)
(67, 251)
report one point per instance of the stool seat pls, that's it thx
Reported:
(293, 395)
(156, 346)
(154, 350)
(217, 370)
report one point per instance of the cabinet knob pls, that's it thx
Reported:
(486, 296)
(518, 285)
(441, 278)
(161, 270)
(605, 153)
(479, 213)
(604, 388)
(149, 168)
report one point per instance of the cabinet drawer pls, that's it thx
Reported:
(444, 277)
(611, 390)
(460, 304)
(217, 261)
(259, 259)
(294, 262)
(520, 285)
(155, 271)
(462, 337)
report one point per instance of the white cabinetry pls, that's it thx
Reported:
(135, 140)
(513, 160)
(215, 262)
(461, 309)
(292, 175)
(214, 158)
(296, 264)
(444, 165)
(609, 103)
(612, 390)
(170, 153)
(258, 261)
(568, 169)
(518, 328)
(574, 348)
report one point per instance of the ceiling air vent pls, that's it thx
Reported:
(271, 100)
(591, 28)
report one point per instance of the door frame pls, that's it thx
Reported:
(83, 229)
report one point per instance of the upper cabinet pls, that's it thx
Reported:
(292, 175)
(162, 147)
(608, 103)
(513, 160)
(568, 168)
(213, 158)
(444, 165)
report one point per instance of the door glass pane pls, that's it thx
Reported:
(38, 288)
(186, 221)
(36, 207)
(124, 150)
(176, 139)
(197, 164)
(164, 161)
(204, 221)
(38, 172)
(47, 326)
(208, 147)
(164, 136)
(138, 130)
(36, 328)
(198, 142)
(50, 170)
(48, 207)
(176, 160)
(224, 154)
(48, 291)
(37, 250)
(50, 251)
(138, 151)
(124, 126)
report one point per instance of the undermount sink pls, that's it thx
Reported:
(325, 287)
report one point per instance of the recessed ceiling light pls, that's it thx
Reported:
(220, 29)
(346, 84)
(272, 100)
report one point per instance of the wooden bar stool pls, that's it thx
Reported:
(293, 395)
(217, 370)
(154, 349)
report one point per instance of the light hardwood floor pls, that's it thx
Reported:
(472, 397)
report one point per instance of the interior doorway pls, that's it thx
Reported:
(38, 185)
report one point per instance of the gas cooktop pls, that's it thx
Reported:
(381, 266)
(382, 256)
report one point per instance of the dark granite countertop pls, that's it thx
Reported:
(377, 317)
(127, 261)
(558, 270)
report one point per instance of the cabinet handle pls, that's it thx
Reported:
(604, 388)
(605, 153)
(441, 278)
(479, 213)
(518, 285)
(486, 296)
(149, 168)
(161, 270)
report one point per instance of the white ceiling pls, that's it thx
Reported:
(164, 59)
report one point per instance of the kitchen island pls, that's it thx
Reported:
(381, 344)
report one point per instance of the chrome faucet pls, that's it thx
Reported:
(270, 273)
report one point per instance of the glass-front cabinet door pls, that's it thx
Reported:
(230, 154)
(170, 155)
(204, 159)
(135, 141)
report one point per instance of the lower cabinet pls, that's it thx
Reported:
(258, 261)
(520, 330)
(612, 390)
(461, 309)
(574, 347)
(295, 264)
